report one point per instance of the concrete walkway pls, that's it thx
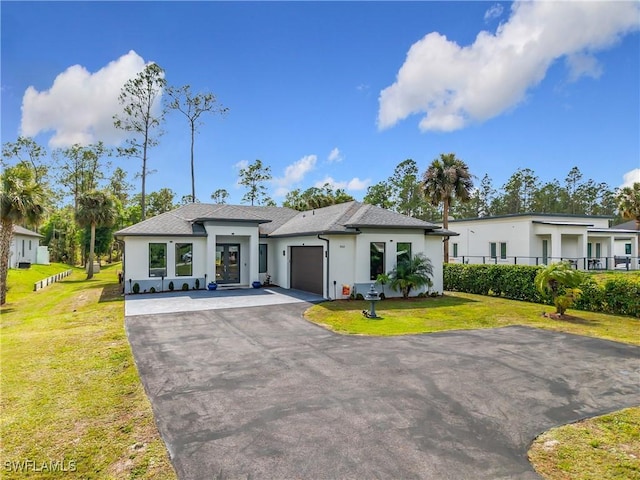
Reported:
(195, 300)
(261, 393)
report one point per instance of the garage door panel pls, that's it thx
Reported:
(306, 269)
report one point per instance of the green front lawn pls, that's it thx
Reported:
(461, 311)
(71, 396)
(602, 448)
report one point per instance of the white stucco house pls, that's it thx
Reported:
(539, 239)
(24, 248)
(317, 251)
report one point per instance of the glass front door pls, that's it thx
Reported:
(227, 263)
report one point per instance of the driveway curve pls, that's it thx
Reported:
(258, 392)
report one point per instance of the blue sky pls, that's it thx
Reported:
(339, 92)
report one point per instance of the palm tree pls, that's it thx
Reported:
(21, 200)
(629, 205)
(446, 179)
(95, 209)
(562, 282)
(409, 274)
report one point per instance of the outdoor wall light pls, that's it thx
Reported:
(284, 253)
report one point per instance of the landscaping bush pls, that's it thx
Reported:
(197, 284)
(617, 294)
(509, 281)
(171, 286)
(152, 290)
(185, 286)
(136, 288)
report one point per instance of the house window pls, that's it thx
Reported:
(403, 252)
(545, 251)
(589, 250)
(376, 259)
(29, 245)
(493, 248)
(598, 250)
(157, 259)
(455, 249)
(22, 247)
(184, 259)
(262, 253)
(627, 249)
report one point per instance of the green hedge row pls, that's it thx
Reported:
(616, 295)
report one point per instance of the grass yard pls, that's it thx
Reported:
(462, 311)
(601, 448)
(71, 396)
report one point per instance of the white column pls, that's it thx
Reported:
(556, 247)
(254, 258)
(210, 254)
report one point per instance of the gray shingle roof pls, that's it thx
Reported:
(630, 225)
(17, 229)
(187, 220)
(347, 217)
(277, 221)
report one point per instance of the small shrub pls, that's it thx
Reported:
(197, 284)
(152, 290)
(136, 287)
(171, 286)
(359, 296)
(185, 286)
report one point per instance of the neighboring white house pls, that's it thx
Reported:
(317, 251)
(540, 239)
(24, 247)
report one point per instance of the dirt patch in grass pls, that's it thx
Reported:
(600, 448)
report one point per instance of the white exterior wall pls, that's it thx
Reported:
(23, 249)
(282, 270)
(136, 262)
(476, 236)
(342, 267)
(524, 238)
(430, 246)
(349, 257)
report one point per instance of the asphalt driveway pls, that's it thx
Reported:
(257, 392)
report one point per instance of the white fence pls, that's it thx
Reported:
(52, 279)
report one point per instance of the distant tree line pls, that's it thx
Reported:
(523, 192)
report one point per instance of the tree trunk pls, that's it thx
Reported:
(92, 244)
(6, 232)
(193, 175)
(445, 225)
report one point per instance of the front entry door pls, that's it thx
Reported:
(228, 263)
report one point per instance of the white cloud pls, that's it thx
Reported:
(630, 178)
(241, 164)
(355, 184)
(293, 174)
(80, 105)
(494, 11)
(583, 65)
(454, 86)
(335, 156)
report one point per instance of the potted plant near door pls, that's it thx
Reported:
(212, 285)
(256, 284)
